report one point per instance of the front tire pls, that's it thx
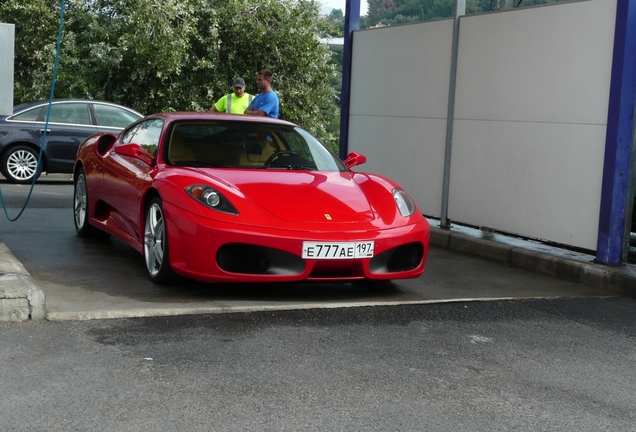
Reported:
(156, 244)
(20, 165)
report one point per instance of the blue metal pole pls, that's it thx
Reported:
(352, 23)
(619, 137)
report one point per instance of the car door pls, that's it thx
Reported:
(69, 125)
(126, 178)
(20, 128)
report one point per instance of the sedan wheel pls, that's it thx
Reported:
(156, 244)
(20, 165)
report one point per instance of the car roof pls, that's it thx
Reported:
(28, 105)
(190, 115)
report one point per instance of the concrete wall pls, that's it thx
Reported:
(530, 116)
(7, 38)
(399, 99)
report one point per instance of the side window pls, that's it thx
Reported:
(112, 116)
(149, 132)
(146, 134)
(69, 113)
(30, 115)
(129, 134)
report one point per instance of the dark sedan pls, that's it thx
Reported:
(70, 122)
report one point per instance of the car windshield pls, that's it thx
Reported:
(233, 144)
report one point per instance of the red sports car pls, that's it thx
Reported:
(227, 198)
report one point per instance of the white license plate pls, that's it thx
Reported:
(338, 250)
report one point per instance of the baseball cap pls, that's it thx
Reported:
(238, 82)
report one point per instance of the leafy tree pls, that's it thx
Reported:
(177, 54)
(284, 36)
(376, 8)
(445, 8)
(131, 51)
(336, 14)
(36, 28)
(336, 17)
(337, 56)
(391, 12)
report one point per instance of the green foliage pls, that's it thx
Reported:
(337, 55)
(376, 9)
(254, 38)
(178, 55)
(392, 12)
(336, 17)
(36, 25)
(336, 14)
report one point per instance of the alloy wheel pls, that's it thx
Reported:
(22, 164)
(154, 239)
(80, 201)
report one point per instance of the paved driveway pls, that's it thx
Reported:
(104, 278)
(523, 365)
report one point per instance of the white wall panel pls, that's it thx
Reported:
(542, 64)
(530, 115)
(402, 71)
(520, 178)
(530, 120)
(414, 160)
(399, 99)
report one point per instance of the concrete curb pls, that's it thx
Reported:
(563, 264)
(21, 298)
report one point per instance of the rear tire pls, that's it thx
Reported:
(20, 164)
(80, 205)
(156, 244)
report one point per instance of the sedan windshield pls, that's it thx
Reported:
(235, 144)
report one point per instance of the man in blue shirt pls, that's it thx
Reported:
(265, 104)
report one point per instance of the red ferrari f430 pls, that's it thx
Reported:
(228, 198)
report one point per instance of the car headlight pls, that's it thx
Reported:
(210, 197)
(404, 202)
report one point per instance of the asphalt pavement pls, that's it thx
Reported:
(499, 334)
(522, 365)
(68, 278)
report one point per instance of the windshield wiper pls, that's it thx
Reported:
(292, 167)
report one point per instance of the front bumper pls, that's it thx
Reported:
(214, 251)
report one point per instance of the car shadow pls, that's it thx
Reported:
(99, 255)
(282, 291)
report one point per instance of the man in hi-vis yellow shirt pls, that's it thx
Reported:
(235, 102)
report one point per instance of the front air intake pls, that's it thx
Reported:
(405, 257)
(401, 258)
(259, 260)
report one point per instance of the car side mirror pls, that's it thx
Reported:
(354, 159)
(135, 151)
